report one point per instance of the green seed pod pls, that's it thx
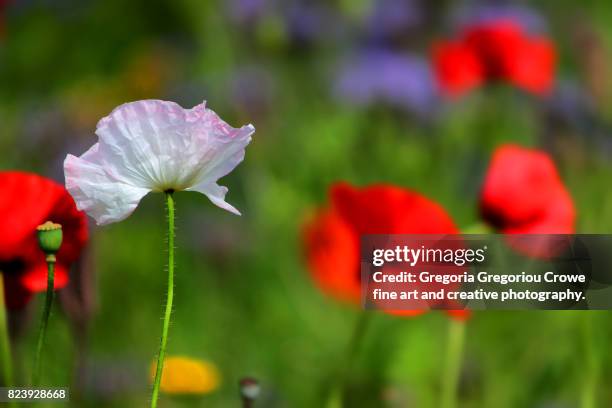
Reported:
(49, 237)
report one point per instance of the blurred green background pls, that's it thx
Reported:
(244, 299)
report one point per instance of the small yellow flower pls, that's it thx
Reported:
(185, 375)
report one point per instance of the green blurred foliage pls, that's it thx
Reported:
(244, 299)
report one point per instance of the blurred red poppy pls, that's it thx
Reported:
(332, 237)
(495, 51)
(29, 200)
(523, 194)
(458, 67)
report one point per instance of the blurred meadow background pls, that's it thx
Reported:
(338, 90)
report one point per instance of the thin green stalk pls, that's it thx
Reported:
(452, 369)
(168, 311)
(588, 395)
(5, 345)
(45, 318)
(336, 396)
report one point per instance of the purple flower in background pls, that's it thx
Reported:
(251, 90)
(571, 119)
(307, 21)
(303, 21)
(390, 18)
(571, 111)
(483, 12)
(570, 103)
(381, 76)
(247, 11)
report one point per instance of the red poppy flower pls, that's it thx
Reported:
(331, 238)
(457, 67)
(523, 193)
(27, 201)
(533, 65)
(332, 251)
(502, 51)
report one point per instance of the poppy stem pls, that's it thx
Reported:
(170, 296)
(589, 384)
(5, 345)
(454, 354)
(45, 317)
(336, 397)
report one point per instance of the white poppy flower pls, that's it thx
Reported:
(154, 145)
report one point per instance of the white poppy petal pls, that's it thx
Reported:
(216, 194)
(160, 145)
(228, 153)
(103, 198)
(154, 145)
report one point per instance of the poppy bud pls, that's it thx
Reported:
(49, 239)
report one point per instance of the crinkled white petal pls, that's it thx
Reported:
(154, 145)
(216, 194)
(96, 192)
